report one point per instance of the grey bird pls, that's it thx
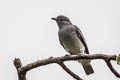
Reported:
(73, 41)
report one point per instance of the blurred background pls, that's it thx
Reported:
(27, 32)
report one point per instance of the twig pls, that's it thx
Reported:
(69, 71)
(112, 69)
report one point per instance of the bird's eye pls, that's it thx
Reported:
(62, 19)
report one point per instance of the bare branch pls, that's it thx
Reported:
(67, 58)
(18, 65)
(69, 71)
(112, 69)
(60, 60)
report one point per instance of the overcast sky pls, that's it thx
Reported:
(27, 32)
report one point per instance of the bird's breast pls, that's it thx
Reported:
(71, 41)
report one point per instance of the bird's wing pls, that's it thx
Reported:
(81, 37)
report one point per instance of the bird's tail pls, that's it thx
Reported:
(87, 66)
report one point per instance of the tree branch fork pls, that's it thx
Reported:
(21, 70)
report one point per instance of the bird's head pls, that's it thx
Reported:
(62, 20)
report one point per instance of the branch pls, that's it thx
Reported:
(69, 71)
(18, 65)
(112, 69)
(60, 60)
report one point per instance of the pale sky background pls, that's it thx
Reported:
(27, 32)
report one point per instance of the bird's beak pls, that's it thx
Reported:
(54, 19)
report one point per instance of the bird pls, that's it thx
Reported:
(73, 41)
